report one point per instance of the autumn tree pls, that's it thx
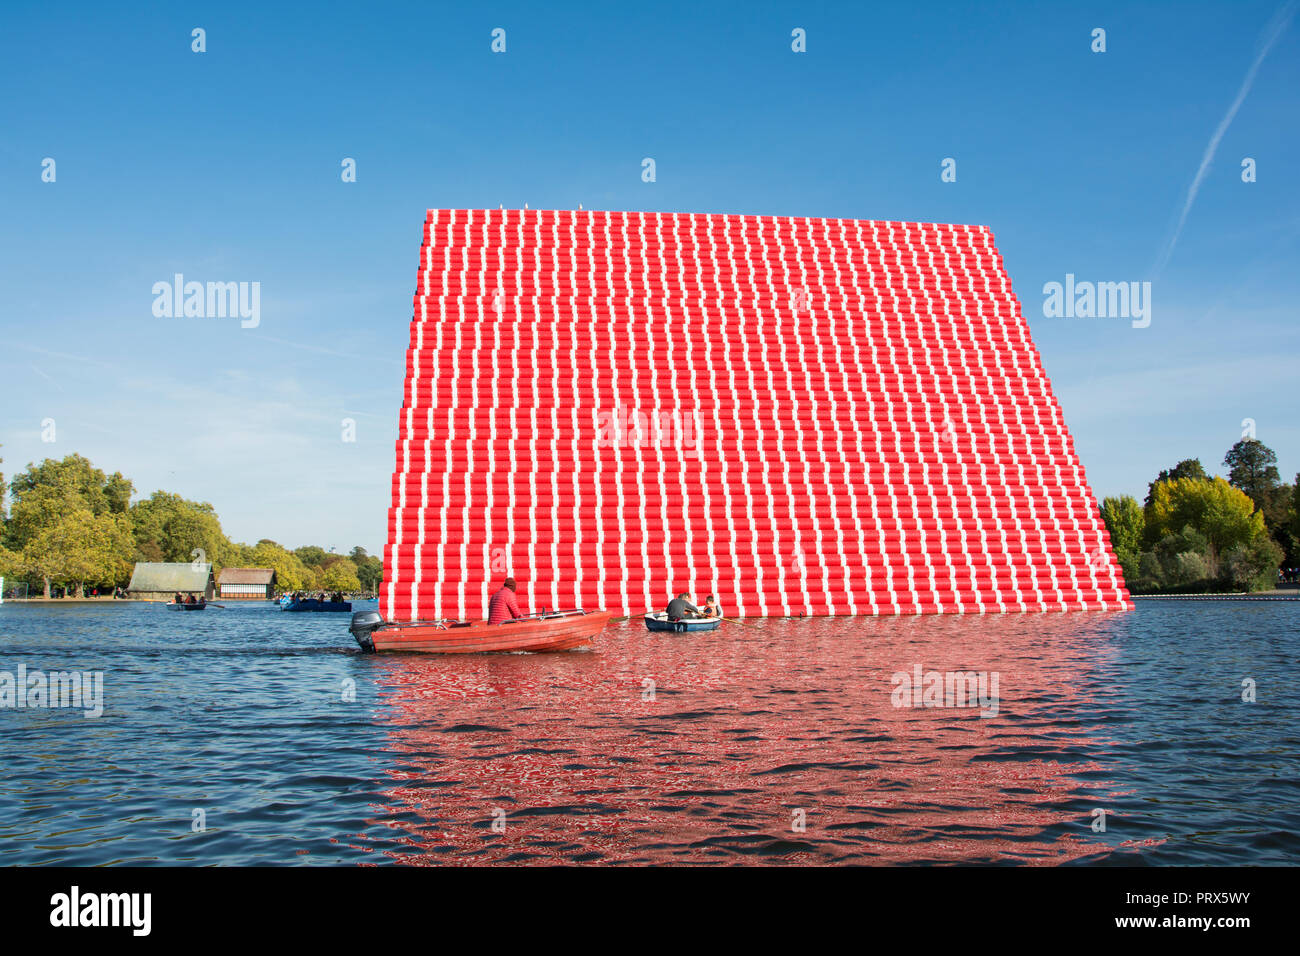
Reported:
(1223, 514)
(1187, 468)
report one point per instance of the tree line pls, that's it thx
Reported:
(1194, 533)
(71, 526)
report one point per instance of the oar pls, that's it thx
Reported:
(737, 621)
(637, 614)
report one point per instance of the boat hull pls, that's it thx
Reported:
(660, 623)
(173, 606)
(560, 632)
(314, 605)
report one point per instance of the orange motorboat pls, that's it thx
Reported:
(552, 631)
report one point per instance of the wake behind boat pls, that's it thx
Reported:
(553, 631)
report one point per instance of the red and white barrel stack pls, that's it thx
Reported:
(799, 416)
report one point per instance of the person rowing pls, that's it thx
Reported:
(504, 606)
(681, 607)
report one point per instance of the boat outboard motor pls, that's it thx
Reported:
(363, 623)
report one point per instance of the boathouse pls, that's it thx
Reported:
(800, 416)
(246, 584)
(159, 581)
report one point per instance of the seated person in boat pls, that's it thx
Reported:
(504, 606)
(179, 598)
(711, 608)
(191, 600)
(681, 606)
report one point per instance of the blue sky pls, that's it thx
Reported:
(225, 166)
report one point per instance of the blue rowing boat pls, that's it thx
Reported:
(658, 621)
(311, 604)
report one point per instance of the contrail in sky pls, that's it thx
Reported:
(1275, 29)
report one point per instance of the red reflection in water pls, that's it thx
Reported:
(746, 729)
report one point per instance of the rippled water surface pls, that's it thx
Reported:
(773, 742)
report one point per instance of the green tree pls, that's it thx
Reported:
(56, 504)
(370, 569)
(290, 573)
(1126, 523)
(371, 574)
(1180, 561)
(237, 555)
(1252, 467)
(44, 492)
(171, 528)
(118, 492)
(3, 489)
(1187, 468)
(80, 548)
(339, 575)
(1278, 521)
(1253, 566)
(1295, 509)
(311, 555)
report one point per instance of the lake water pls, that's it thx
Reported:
(253, 736)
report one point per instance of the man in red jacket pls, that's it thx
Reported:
(504, 606)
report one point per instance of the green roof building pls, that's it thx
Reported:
(159, 581)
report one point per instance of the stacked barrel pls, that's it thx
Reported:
(799, 416)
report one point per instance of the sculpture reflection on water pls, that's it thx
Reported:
(774, 742)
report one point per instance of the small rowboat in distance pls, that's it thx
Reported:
(311, 604)
(658, 621)
(554, 631)
(173, 606)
